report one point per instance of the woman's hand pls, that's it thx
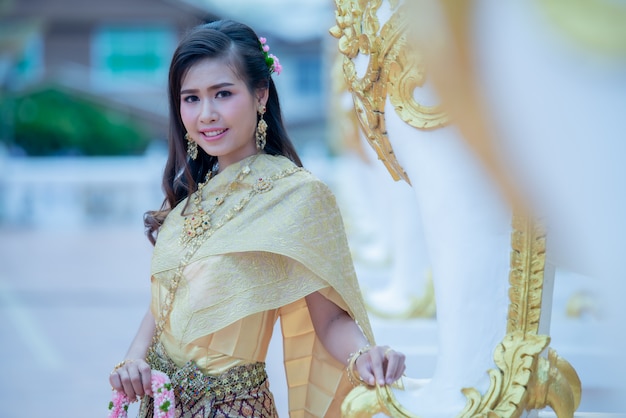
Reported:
(380, 365)
(133, 377)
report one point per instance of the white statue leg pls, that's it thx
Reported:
(467, 234)
(364, 200)
(399, 215)
(466, 231)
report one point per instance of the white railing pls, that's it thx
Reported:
(78, 191)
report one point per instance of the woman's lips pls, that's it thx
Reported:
(213, 135)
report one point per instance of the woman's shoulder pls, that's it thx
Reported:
(300, 176)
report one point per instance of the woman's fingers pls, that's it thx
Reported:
(395, 365)
(127, 383)
(114, 380)
(146, 378)
(377, 356)
(133, 378)
(380, 365)
(371, 367)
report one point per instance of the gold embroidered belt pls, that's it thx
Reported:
(191, 384)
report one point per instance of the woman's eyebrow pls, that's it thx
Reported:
(213, 87)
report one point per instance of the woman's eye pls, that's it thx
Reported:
(190, 99)
(223, 93)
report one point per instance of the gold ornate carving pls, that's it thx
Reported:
(524, 380)
(393, 72)
(516, 357)
(528, 256)
(363, 402)
(555, 383)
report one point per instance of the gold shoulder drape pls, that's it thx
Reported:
(298, 218)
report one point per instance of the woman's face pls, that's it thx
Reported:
(219, 112)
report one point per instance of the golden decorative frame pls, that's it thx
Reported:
(529, 374)
(525, 379)
(393, 72)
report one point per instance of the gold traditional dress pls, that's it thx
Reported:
(276, 236)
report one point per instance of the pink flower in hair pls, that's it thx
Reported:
(271, 60)
(277, 68)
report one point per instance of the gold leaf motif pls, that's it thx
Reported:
(263, 185)
(394, 71)
(528, 249)
(523, 379)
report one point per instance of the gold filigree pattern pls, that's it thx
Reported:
(393, 72)
(263, 185)
(528, 256)
(555, 383)
(191, 384)
(516, 357)
(524, 380)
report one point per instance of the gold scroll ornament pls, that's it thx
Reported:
(393, 72)
(525, 379)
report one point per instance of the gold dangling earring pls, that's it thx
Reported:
(261, 130)
(192, 147)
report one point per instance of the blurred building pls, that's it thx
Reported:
(113, 57)
(117, 52)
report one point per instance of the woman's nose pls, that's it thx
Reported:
(208, 113)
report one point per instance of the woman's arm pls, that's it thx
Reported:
(342, 337)
(133, 375)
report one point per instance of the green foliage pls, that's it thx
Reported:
(53, 122)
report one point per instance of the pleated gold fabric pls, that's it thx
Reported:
(287, 242)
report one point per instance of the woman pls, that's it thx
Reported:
(245, 236)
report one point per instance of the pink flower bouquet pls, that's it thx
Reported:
(162, 392)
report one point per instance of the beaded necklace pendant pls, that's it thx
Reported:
(199, 223)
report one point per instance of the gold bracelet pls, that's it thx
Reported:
(353, 375)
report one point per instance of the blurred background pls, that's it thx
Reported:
(83, 125)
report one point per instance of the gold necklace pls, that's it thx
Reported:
(199, 222)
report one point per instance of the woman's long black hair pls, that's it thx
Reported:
(239, 46)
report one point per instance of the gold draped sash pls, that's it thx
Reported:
(288, 242)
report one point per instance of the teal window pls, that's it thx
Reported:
(133, 52)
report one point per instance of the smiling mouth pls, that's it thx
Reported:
(212, 134)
